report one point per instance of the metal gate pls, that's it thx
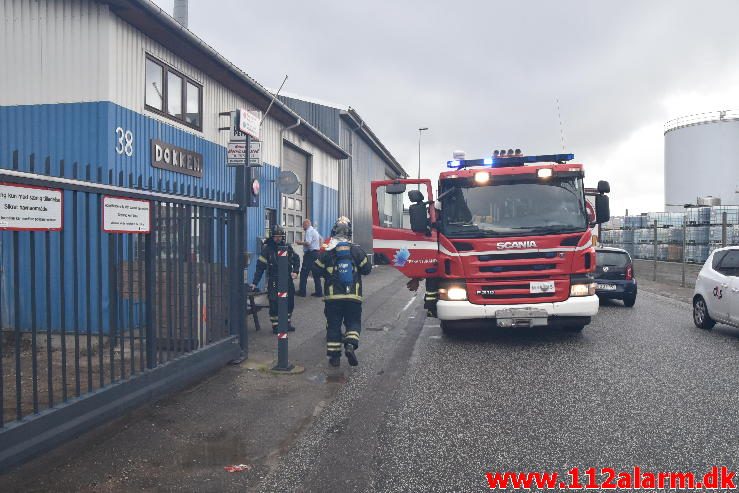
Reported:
(84, 311)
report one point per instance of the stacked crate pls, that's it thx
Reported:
(697, 234)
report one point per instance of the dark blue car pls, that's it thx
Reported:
(614, 275)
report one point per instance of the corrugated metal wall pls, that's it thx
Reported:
(324, 118)
(53, 51)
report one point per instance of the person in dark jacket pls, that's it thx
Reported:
(342, 266)
(268, 262)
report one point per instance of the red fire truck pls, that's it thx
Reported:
(507, 242)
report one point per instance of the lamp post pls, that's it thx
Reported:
(419, 153)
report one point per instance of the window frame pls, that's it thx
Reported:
(164, 112)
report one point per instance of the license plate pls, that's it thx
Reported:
(606, 287)
(521, 317)
(541, 287)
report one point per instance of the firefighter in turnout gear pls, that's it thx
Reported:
(342, 266)
(268, 261)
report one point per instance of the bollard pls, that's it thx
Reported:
(283, 275)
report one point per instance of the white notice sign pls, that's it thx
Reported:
(126, 215)
(255, 153)
(25, 208)
(236, 154)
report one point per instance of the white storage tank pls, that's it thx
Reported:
(702, 159)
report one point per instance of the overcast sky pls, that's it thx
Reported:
(486, 74)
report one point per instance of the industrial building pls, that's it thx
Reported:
(123, 232)
(701, 159)
(368, 160)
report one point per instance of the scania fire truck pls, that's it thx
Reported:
(506, 243)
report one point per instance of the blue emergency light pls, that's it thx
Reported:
(505, 162)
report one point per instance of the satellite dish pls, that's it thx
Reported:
(288, 182)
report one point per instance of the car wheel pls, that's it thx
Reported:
(573, 328)
(701, 318)
(629, 300)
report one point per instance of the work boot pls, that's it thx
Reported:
(334, 361)
(349, 351)
(302, 294)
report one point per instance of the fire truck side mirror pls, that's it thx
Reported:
(415, 196)
(602, 209)
(604, 187)
(418, 217)
(395, 188)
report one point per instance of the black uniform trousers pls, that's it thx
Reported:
(348, 313)
(309, 258)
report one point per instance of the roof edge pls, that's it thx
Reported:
(188, 36)
(362, 127)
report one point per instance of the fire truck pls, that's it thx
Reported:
(506, 243)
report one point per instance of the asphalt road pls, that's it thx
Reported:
(427, 412)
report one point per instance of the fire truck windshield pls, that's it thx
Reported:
(513, 208)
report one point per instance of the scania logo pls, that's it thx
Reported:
(504, 245)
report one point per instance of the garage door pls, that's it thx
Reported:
(295, 205)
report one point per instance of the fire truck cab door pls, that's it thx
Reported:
(393, 241)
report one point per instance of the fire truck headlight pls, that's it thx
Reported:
(453, 293)
(482, 177)
(544, 173)
(582, 289)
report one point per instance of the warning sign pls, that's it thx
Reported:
(126, 215)
(26, 208)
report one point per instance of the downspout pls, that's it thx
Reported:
(351, 173)
(282, 154)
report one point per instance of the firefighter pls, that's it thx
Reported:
(342, 266)
(430, 297)
(268, 261)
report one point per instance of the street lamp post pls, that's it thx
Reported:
(419, 153)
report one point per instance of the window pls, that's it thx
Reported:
(171, 94)
(612, 259)
(192, 110)
(298, 205)
(174, 95)
(730, 263)
(154, 85)
(291, 203)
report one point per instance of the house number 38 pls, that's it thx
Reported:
(124, 144)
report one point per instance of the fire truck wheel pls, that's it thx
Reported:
(449, 328)
(573, 328)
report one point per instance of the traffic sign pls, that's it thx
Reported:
(249, 122)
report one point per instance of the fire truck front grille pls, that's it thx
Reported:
(517, 268)
(516, 256)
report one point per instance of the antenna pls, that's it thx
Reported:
(561, 126)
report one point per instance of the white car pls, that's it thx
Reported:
(716, 295)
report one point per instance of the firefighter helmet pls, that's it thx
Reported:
(277, 230)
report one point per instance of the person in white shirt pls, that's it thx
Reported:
(311, 250)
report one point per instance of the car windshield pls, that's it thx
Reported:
(517, 208)
(611, 259)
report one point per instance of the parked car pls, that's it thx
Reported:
(716, 295)
(614, 275)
